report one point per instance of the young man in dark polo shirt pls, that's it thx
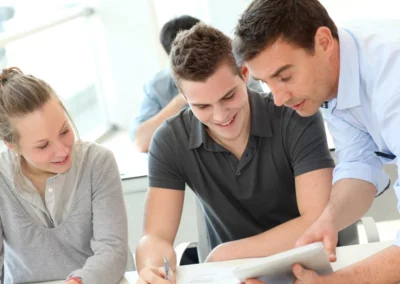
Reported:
(262, 173)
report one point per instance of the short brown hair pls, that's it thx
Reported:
(197, 53)
(264, 21)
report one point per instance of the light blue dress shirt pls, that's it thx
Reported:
(365, 116)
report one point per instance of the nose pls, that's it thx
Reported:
(280, 96)
(220, 113)
(61, 150)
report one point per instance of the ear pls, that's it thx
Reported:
(245, 73)
(324, 40)
(10, 146)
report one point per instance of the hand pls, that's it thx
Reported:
(254, 281)
(155, 276)
(180, 100)
(304, 276)
(321, 231)
(72, 282)
(219, 253)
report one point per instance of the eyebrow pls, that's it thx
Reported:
(226, 95)
(280, 70)
(42, 140)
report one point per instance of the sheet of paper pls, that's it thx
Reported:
(212, 276)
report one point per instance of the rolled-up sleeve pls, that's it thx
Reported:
(149, 107)
(355, 152)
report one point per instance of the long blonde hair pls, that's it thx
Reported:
(22, 94)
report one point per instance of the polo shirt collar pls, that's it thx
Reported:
(260, 125)
(349, 77)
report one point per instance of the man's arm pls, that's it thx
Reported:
(162, 213)
(312, 189)
(144, 131)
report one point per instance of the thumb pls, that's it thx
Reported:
(299, 271)
(330, 243)
(305, 240)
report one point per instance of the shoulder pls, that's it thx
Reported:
(90, 153)
(177, 126)
(161, 82)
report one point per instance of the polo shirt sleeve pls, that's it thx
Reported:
(306, 143)
(164, 166)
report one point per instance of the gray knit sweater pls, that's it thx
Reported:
(90, 243)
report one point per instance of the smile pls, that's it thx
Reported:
(229, 122)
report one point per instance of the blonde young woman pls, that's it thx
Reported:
(62, 213)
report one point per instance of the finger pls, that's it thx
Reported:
(141, 281)
(330, 243)
(153, 275)
(298, 271)
(305, 240)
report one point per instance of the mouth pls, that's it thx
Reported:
(228, 123)
(63, 162)
(298, 106)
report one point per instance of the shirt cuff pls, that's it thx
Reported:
(362, 171)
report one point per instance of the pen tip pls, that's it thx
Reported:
(165, 259)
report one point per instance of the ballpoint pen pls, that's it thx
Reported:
(166, 268)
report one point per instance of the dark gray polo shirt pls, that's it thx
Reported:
(241, 198)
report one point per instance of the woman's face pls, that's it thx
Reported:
(46, 139)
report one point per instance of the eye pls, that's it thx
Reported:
(229, 98)
(285, 79)
(202, 107)
(65, 132)
(44, 146)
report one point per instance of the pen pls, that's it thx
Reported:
(166, 268)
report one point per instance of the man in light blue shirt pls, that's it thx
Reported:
(295, 47)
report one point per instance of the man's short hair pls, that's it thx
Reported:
(197, 53)
(264, 21)
(173, 27)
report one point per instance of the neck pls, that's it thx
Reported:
(34, 173)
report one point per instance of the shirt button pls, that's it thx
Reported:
(50, 189)
(238, 173)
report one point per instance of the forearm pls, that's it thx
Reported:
(278, 239)
(350, 199)
(145, 131)
(381, 268)
(151, 251)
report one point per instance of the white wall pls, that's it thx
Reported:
(131, 36)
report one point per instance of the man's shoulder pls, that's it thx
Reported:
(176, 125)
(162, 81)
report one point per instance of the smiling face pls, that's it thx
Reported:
(297, 78)
(46, 139)
(220, 103)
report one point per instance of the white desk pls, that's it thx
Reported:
(346, 256)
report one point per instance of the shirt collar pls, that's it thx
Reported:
(260, 124)
(349, 78)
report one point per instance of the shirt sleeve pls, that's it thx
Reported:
(389, 121)
(110, 233)
(355, 151)
(164, 170)
(149, 107)
(307, 144)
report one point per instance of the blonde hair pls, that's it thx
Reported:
(22, 94)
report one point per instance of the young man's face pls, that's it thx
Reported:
(297, 78)
(221, 103)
